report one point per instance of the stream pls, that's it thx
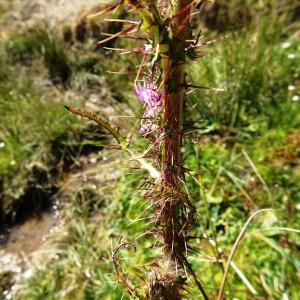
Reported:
(20, 243)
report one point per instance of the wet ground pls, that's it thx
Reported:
(28, 237)
(35, 239)
(22, 241)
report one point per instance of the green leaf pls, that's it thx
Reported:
(214, 199)
(145, 25)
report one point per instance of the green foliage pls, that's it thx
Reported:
(4, 8)
(229, 15)
(41, 43)
(81, 267)
(23, 113)
(30, 126)
(253, 70)
(246, 159)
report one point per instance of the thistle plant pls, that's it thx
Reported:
(161, 87)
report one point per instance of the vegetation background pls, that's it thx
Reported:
(66, 198)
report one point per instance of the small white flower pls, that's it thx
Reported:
(8, 297)
(148, 47)
(13, 162)
(291, 87)
(28, 273)
(213, 243)
(285, 45)
(87, 273)
(2, 145)
(291, 56)
(93, 160)
(15, 269)
(295, 98)
(6, 259)
(285, 296)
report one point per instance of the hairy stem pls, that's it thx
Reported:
(174, 67)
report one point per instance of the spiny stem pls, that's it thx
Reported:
(173, 78)
(171, 42)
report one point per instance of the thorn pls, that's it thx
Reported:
(125, 36)
(110, 48)
(134, 50)
(195, 86)
(126, 30)
(123, 21)
(109, 8)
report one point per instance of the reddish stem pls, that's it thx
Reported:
(173, 97)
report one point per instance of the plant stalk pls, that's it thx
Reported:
(173, 78)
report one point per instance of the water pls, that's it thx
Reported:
(22, 242)
(29, 236)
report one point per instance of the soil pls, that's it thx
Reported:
(29, 236)
(52, 12)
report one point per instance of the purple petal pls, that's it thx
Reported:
(148, 95)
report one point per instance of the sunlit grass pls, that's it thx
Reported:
(252, 76)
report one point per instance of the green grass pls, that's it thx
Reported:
(253, 71)
(82, 268)
(37, 72)
(4, 8)
(233, 188)
(244, 155)
(40, 43)
(31, 125)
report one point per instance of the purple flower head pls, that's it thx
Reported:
(148, 95)
(151, 100)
